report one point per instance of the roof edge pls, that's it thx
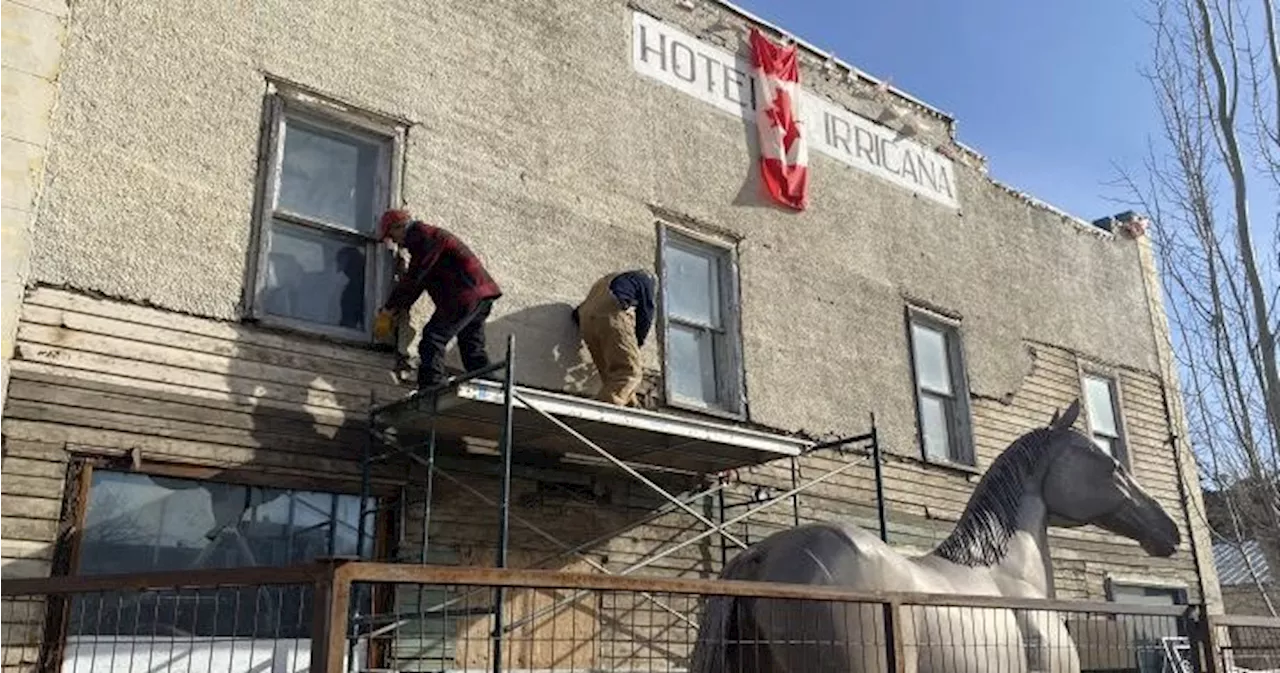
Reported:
(830, 56)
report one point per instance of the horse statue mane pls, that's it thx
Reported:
(1053, 475)
(981, 537)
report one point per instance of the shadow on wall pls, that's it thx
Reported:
(550, 353)
(751, 194)
(282, 412)
(549, 350)
(268, 414)
(286, 412)
(315, 422)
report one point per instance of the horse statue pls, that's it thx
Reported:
(1050, 476)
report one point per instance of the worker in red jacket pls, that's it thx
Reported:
(461, 289)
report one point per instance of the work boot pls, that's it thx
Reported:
(428, 382)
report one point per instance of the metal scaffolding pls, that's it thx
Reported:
(866, 444)
(425, 411)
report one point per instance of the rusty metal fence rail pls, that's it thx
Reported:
(440, 620)
(1245, 644)
(357, 616)
(243, 619)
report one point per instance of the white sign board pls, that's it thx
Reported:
(724, 80)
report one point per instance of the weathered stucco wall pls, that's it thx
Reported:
(534, 139)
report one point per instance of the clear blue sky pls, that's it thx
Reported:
(1050, 92)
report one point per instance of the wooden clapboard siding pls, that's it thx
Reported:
(32, 489)
(194, 326)
(114, 367)
(98, 376)
(65, 334)
(925, 501)
(566, 637)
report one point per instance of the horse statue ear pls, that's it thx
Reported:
(1068, 417)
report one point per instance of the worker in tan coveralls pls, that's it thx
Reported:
(614, 320)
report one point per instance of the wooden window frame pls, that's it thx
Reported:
(66, 558)
(77, 492)
(75, 520)
(1120, 443)
(284, 102)
(1180, 590)
(961, 452)
(728, 358)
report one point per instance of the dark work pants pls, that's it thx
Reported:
(466, 323)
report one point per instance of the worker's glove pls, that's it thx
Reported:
(383, 324)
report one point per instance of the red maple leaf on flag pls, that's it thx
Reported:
(781, 115)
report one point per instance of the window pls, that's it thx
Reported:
(1154, 638)
(699, 300)
(1103, 414)
(1147, 595)
(138, 523)
(328, 175)
(942, 394)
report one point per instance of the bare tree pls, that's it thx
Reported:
(1215, 71)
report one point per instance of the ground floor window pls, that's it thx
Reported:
(136, 523)
(1157, 642)
(1146, 594)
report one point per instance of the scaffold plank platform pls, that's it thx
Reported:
(474, 409)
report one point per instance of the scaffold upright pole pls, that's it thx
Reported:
(362, 526)
(795, 493)
(504, 505)
(876, 457)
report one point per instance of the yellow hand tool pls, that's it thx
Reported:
(383, 324)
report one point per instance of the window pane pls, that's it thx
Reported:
(1105, 444)
(932, 371)
(1124, 593)
(136, 522)
(345, 528)
(1148, 632)
(328, 176)
(692, 364)
(692, 285)
(1097, 394)
(272, 519)
(139, 523)
(314, 277)
(313, 524)
(933, 426)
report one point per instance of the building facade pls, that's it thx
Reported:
(194, 323)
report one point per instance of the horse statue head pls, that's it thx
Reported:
(1055, 476)
(1084, 485)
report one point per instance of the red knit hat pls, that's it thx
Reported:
(389, 218)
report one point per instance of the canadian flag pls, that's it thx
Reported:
(784, 152)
